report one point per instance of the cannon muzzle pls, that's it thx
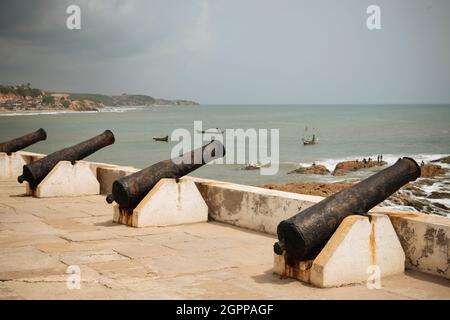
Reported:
(36, 171)
(23, 142)
(130, 190)
(303, 235)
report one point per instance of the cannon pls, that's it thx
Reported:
(22, 142)
(36, 171)
(302, 236)
(130, 190)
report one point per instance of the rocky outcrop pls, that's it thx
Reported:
(432, 170)
(84, 105)
(406, 200)
(311, 188)
(443, 160)
(314, 169)
(346, 167)
(425, 181)
(439, 195)
(416, 191)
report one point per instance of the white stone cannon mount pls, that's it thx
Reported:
(170, 202)
(11, 165)
(68, 180)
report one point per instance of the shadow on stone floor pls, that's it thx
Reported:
(108, 223)
(270, 277)
(427, 277)
(22, 195)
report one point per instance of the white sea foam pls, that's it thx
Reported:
(119, 109)
(42, 113)
(31, 113)
(435, 187)
(39, 113)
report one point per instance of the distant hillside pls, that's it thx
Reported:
(26, 98)
(97, 98)
(129, 100)
(22, 91)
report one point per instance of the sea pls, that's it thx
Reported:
(345, 132)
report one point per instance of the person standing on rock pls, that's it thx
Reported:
(381, 158)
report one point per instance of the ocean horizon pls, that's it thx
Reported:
(346, 132)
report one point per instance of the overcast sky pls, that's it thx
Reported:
(232, 51)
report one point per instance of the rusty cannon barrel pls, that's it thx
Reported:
(130, 190)
(36, 171)
(23, 141)
(303, 235)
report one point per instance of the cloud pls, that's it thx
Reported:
(109, 28)
(237, 51)
(198, 36)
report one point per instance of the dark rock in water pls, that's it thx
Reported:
(432, 170)
(441, 206)
(346, 167)
(407, 197)
(416, 191)
(405, 200)
(425, 181)
(314, 169)
(443, 160)
(439, 195)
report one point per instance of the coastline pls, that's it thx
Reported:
(22, 98)
(50, 111)
(12, 113)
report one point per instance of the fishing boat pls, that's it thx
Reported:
(254, 166)
(250, 166)
(212, 130)
(309, 140)
(165, 138)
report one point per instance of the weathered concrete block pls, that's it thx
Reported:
(425, 238)
(250, 207)
(168, 203)
(106, 175)
(356, 250)
(31, 156)
(11, 166)
(67, 180)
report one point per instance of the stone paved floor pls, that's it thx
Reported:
(40, 238)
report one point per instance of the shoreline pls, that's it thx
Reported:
(49, 110)
(105, 109)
